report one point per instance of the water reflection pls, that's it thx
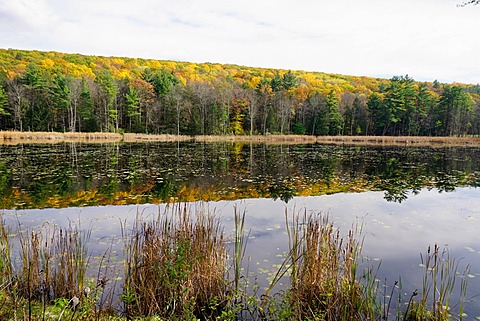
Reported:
(395, 233)
(63, 175)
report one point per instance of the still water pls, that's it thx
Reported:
(406, 199)
(65, 175)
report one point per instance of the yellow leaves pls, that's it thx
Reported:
(221, 75)
(301, 93)
(80, 71)
(254, 81)
(48, 63)
(181, 79)
(308, 77)
(118, 62)
(206, 68)
(170, 65)
(9, 73)
(124, 74)
(153, 64)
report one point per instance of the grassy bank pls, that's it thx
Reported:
(400, 140)
(14, 138)
(181, 265)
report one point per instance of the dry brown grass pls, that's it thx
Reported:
(270, 139)
(135, 138)
(400, 140)
(15, 137)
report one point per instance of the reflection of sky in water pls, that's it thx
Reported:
(396, 233)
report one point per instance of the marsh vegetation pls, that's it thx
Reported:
(182, 265)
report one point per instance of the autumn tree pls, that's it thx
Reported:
(251, 100)
(353, 108)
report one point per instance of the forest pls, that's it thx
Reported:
(52, 91)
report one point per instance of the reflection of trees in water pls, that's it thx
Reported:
(48, 175)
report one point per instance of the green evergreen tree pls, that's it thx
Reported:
(289, 80)
(132, 107)
(108, 92)
(3, 107)
(334, 118)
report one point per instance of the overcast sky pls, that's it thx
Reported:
(426, 39)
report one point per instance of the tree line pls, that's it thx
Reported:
(43, 95)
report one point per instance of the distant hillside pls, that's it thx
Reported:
(51, 91)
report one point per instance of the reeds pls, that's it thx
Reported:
(324, 280)
(54, 263)
(176, 266)
(43, 269)
(6, 267)
(16, 137)
(439, 279)
(400, 140)
(165, 138)
(270, 139)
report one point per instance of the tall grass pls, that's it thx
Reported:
(54, 263)
(439, 279)
(176, 266)
(43, 269)
(324, 274)
(400, 140)
(6, 268)
(16, 137)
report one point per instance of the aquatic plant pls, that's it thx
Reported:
(324, 281)
(175, 265)
(440, 275)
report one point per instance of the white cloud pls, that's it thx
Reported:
(428, 39)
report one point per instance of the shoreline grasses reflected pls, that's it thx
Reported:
(26, 137)
(79, 175)
(181, 264)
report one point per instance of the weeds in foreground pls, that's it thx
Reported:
(49, 280)
(177, 268)
(440, 275)
(324, 283)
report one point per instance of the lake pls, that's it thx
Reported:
(406, 198)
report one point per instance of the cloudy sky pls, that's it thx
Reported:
(426, 39)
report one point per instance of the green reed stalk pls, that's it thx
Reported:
(440, 273)
(240, 246)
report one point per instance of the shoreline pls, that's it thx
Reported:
(16, 138)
